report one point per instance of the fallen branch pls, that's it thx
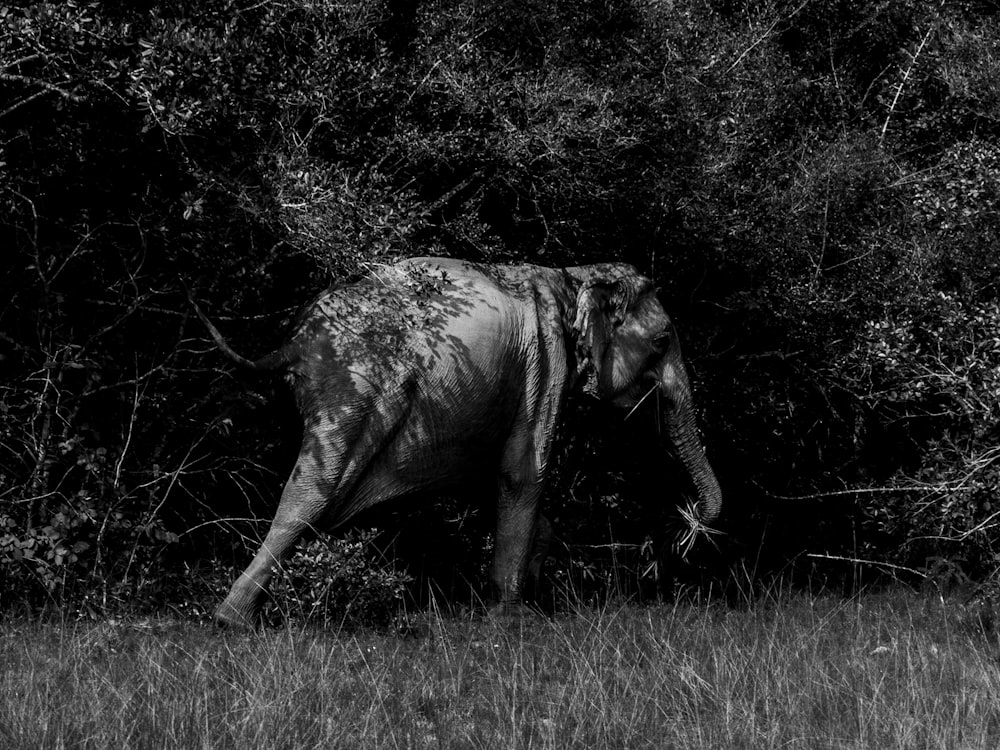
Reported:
(861, 491)
(838, 558)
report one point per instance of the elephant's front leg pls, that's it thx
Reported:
(540, 542)
(522, 481)
(511, 549)
(523, 471)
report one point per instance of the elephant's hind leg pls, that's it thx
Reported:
(304, 501)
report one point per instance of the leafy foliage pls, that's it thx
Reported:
(342, 582)
(937, 372)
(813, 186)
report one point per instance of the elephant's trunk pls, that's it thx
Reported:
(684, 437)
(683, 434)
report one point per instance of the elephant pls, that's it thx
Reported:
(433, 374)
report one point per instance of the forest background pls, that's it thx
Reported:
(814, 186)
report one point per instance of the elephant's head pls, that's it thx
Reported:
(629, 349)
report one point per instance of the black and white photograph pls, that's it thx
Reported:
(467, 374)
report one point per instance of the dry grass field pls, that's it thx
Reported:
(890, 670)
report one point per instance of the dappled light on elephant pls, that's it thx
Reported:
(433, 374)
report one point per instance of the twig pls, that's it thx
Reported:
(610, 545)
(16, 78)
(692, 530)
(25, 101)
(906, 76)
(641, 400)
(868, 562)
(128, 435)
(23, 60)
(962, 536)
(765, 35)
(443, 200)
(861, 491)
(183, 313)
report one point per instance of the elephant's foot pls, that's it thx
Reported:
(230, 617)
(512, 612)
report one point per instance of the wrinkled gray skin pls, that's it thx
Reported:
(435, 373)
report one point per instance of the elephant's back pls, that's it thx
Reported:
(436, 325)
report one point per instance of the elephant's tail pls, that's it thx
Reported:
(276, 360)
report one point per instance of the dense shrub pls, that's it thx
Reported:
(341, 582)
(813, 186)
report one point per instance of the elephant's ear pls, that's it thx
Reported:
(600, 307)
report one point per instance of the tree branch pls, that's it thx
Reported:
(867, 562)
(765, 35)
(16, 78)
(906, 76)
(23, 60)
(862, 491)
(26, 100)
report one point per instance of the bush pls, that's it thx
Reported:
(341, 582)
(812, 186)
(933, 374)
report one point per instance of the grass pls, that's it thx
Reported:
(883, 671)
